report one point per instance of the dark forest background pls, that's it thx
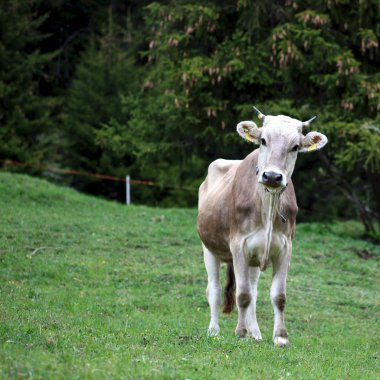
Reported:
(155, 90)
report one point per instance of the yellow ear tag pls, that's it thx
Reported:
(248, 137)
(312, 147)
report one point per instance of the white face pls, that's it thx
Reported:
(280, 140)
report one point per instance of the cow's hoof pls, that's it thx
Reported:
(279, 341)
(213, 330)
(256, 336)
(241, 333)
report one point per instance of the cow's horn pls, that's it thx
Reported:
(307, 123)
(258, 113)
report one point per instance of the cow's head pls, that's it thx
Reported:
(280, 139)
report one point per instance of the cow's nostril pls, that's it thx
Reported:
(278, 178)
(265, 177)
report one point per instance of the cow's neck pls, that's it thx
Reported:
(269, 207)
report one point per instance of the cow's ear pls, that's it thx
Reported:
(313, 141)
(249, 131)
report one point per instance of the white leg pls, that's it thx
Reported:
(251, 320)
(213, 290)
(278, 296)
(243, 293)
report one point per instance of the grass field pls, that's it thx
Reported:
(92, 289)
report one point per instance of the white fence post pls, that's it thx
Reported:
(128, 190)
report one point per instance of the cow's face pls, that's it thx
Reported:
(280, 140)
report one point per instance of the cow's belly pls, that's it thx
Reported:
(218, 247)
(255, 243)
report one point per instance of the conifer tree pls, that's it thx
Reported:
(27, 129)
(106, 71)
(206, 64)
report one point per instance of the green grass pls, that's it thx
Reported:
(92, 289)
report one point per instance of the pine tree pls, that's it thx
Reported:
(106, 71)
(207, 64)
(27, 130)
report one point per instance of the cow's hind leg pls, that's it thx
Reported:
(213, 290)
(251, 320)
(278, 297)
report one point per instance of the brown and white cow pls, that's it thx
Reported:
(247, 215)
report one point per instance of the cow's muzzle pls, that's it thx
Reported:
(272, 180)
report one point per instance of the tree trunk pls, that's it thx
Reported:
(363, 212)
(375, 184)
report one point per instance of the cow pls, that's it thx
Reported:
(246, 218)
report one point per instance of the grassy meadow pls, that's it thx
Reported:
(92, 289)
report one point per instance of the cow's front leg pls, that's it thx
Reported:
(252, 325)
(278, 296)
(243, 293)
(213, 290)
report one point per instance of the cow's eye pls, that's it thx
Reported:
(295, 148)
(263, 142)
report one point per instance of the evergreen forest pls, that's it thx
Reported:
(154, 89)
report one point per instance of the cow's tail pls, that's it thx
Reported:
(229, 290)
